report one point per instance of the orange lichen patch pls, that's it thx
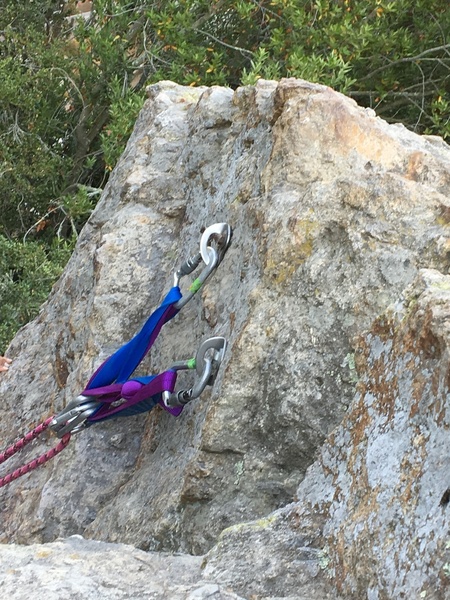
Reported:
(60, 364)
(355, 466)
(415, 166)
(366, 504)
(385, 392)
(345, 559)
(417, 340)
(338, 553)
(381, 383)
(337, 496)
(420, 338)
(384, 327)
(362, 353)
(412, 467)
(358, 136)
(418, 387)
(409, 479)
(61, 371)
(429, 344)
(357, 422)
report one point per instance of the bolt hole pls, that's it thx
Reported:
(445, 498)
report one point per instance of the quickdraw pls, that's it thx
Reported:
(111, 391)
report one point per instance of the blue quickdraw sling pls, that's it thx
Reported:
(112, 392)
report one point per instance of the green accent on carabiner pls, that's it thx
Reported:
(195, 286)
(191, 363)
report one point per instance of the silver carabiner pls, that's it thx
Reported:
(213, 245)
(73, 417)
(206, 363)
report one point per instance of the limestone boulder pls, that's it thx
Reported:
(334, 212)
(371, 519)
(76, 569)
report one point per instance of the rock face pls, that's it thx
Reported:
(334, 214)
(390, 504)
(78, 568)
(372, 517)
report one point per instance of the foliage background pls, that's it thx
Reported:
(71, 88)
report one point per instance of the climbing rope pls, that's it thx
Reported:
(111, 393)
(21, 443)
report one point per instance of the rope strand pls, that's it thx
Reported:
(29, 437)
(20, 444)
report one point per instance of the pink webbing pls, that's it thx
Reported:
(19, 444)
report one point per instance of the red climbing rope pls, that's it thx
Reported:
(19, 444)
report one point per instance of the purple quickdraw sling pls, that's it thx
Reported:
(113, 392)
(110, 384)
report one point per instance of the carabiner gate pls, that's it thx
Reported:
(213, 245)
(206, 363)
(73, 418)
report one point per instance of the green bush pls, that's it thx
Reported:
(70, 90)
(27, 273)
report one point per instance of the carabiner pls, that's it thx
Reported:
(73, 418)
(206, 363)
(213, 245)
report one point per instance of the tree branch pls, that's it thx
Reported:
(213, 37)
(445, 47)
